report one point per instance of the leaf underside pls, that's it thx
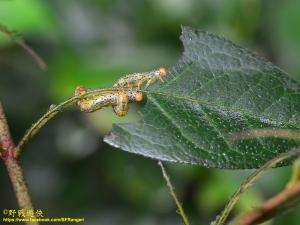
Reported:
(217, 88)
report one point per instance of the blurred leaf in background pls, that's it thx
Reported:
(30, 17)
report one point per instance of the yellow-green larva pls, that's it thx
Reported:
(136, 80)
(94, 102)
(123, 98)
(117, 99)
(121, 106)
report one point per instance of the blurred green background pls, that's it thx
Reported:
(69, 170)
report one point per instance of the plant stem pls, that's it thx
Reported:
(265, 133)
(249, 181)
(6, 141)
(173, 194)
(51, 113)
(15, 174)
(272, 207)
(295, 173)
(13, 168)
(280, 203)
(15, 36)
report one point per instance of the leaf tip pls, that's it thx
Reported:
(111, 140)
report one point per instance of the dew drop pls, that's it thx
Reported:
(52, 106)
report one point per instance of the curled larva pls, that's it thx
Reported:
(121, 106)
(96, 101)
(123, 98)
(119, 100)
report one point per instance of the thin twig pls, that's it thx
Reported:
(17, 37)
(272, 207)
(50, 114)
(249, 181)
(173, 194)
(295, 173)
(38, 59)
(264, 133)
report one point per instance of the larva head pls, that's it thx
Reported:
(135, 96)
(163, 72)
(80, 90)
(118, 112)
(138, 96)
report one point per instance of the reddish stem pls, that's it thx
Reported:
(6, 141)
(270, 208)
(13, 167)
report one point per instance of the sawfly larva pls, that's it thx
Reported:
(136, 80)
(119, 100)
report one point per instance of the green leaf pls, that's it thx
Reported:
(217, 88)
(27, 17)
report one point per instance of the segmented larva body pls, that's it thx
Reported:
(123, 98)
(121, 106)
(117, 99)
(94, 102)
(136, 80)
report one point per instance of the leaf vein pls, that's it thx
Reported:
(159, 106)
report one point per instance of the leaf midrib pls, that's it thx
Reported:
(172, 121)
(232, 109)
